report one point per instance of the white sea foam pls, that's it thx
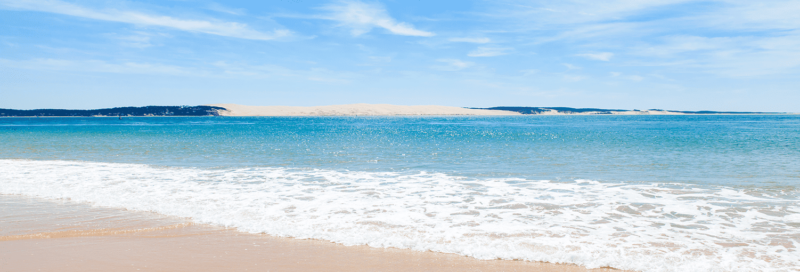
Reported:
(647, 227)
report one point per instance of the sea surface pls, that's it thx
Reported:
(647, 193)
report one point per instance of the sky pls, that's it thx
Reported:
(726, 55)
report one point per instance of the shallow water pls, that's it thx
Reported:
(652, 193)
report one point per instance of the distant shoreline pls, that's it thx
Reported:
(432, 115)
(117, 112)
(346, 110)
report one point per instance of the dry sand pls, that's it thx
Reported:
(43, 235)
(203, 248)
(352, 110)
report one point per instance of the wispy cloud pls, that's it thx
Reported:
(489, 52)
(728, 56)
(138, 41)
(362, 17)
(214, 27)
(628, 77)
(100, 66)
(275, 71)
(471, 40)
(755, 15)
(571, 67)
(604, 56)
(726, 37)
(575, 11)
(635, 78)
(452, 65)
(220, 8)
(219, 69)
(573, 77)
(380, 58)
(677, 44)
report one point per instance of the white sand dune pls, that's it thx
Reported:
(352, 110)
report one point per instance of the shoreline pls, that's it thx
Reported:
(347, 110)
(431, 115)
(355, 110)
(131, 241)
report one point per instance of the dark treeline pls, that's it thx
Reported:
(121, 111)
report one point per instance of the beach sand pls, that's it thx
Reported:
(46, 235)
(352, 110)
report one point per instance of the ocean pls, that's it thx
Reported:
(647, 193)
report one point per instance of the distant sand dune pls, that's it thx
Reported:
(352, 110)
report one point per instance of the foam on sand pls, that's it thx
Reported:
(108, 239)
(634, 226)
(352, 110)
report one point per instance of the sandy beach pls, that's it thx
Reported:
(204, 248)
(399, 110)
(352, 110)
(45, 235)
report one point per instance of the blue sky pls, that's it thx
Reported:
(666, 54)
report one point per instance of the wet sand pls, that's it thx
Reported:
(40, 235)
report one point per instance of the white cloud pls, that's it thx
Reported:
(471, 40)
(488, 52)
(604, 56)
(453, 65)
(228, 29)
(362, 17)
(571, 67)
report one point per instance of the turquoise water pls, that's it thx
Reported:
(591, 190)
(761, 150)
